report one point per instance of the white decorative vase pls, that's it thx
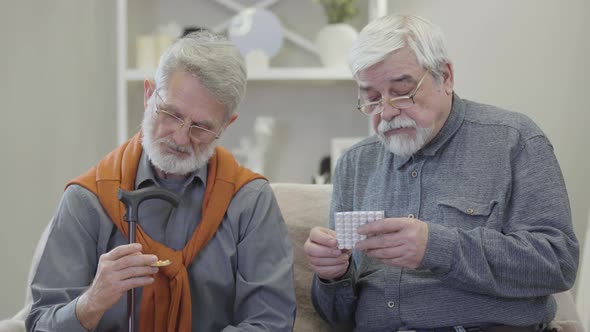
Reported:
(333, 42)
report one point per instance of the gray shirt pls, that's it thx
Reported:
(500, 235)
(241, 281)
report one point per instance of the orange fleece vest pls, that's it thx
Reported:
(166, 303)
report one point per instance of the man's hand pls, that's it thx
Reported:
(326, 260)
(118, 271)
(399, 242)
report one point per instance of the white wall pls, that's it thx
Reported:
(530, 56)
(58, 118)
(57, 68)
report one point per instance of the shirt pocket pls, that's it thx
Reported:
(465, 214)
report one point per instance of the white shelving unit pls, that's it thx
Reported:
(126, 75)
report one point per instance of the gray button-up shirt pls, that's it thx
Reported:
(241, 281)
(500, 234)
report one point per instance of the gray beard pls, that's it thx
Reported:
(169, 163)
(401, 144)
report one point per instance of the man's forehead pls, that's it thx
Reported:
(387, 78)
(398, 66)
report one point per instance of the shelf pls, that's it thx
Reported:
(274, 74)
(303, 74)
(125, 75)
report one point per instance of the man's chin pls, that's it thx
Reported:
(173, 164)
(178, 171)
(177, 157)
(401, 148)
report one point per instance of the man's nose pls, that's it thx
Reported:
(182, 135)
(389, 112)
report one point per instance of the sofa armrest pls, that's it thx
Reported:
(11, 325)
(17, 323)
(566, 318)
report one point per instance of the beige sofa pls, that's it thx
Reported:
(305, 206)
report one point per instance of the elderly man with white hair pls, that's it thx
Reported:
(477, 233)
(231, 259)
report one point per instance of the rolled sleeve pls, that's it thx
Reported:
(335, 301)
(440, 249)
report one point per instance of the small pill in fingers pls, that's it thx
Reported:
(161, 263)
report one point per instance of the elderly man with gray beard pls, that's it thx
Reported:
(477, 232)
(231, 258)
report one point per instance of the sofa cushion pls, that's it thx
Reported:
(303, 206)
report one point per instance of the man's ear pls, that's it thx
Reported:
(231, 119)
(148, 90)
(448, 78)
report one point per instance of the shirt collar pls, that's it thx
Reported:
(448, 130)
(146, 176)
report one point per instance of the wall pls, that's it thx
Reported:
(58, 111)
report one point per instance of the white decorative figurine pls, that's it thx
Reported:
(252, 151)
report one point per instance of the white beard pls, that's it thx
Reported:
(402, 144)
(167, 162)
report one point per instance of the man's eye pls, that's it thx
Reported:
(372, 99)
(174, 115)
(400, 87)
(402, 90)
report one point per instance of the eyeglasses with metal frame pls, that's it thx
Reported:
(173, 121)
(402, 102)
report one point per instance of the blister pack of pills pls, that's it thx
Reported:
(347, 222)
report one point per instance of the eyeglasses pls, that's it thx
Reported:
(402, 102)
(176, 123)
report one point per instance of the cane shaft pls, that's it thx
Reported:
(131, 292)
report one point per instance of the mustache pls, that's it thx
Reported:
(170, 143)
(396, 123)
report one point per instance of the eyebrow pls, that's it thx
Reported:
(401, 78)
(205, 124)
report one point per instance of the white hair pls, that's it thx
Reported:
(390, 33)
(213, 60)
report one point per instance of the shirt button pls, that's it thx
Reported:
(469, 211)
(411, 216)
(414, 174)
(346, 284)
(391, 304)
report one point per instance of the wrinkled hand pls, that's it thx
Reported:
(326, 260)
(118, 271)
(399, 242)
